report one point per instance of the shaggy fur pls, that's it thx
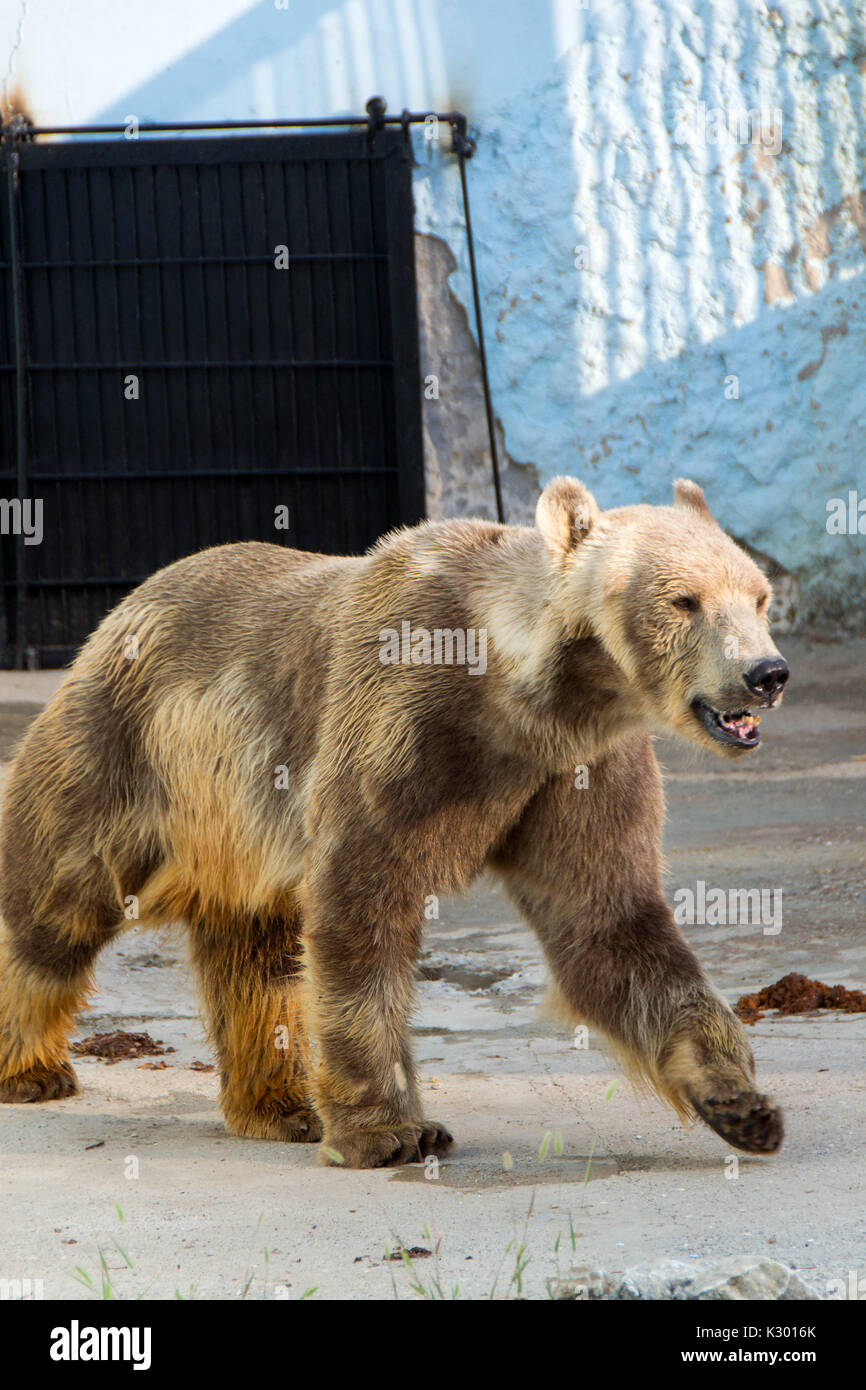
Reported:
(229, 751)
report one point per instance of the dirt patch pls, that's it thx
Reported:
(118, 1046)
(796, 994)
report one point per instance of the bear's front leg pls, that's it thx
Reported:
(361, 938)
(583, 865)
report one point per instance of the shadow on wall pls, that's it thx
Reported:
(302, 58)
(670, 228)
(744, 417)
(709, 316)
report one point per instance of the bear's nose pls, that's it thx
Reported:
(767, 677)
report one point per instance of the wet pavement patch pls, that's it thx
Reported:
(535, 1172)
(463, 975)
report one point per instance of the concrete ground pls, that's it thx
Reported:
(211, 1216)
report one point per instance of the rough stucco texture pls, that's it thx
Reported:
(663, 297)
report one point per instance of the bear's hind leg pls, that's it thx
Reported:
(76, 847)
(45, 978)
(249, 973)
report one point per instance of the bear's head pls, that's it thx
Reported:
(679, 607)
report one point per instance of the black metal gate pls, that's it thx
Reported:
(201, 339)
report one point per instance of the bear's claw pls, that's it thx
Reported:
(433, 1138)
(39, 1084)
(411, 1143)
(744, 1119)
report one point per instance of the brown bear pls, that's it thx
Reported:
(288, 752)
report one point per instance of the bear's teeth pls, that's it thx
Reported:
(741, 722)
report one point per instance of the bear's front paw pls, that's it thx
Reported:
(409, 1143)
(744, 1119)
(39, 1083)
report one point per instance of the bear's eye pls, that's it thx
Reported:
(763, 601)
(687, 604)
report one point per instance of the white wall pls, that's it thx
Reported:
(661, 296)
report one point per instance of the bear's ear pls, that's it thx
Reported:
(566, 513)
(688, 495)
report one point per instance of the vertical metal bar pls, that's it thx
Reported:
(126, 492)
(147, 453)
(402, 306)
(464, 148)
(225, 207)
(268, 392)
(337, 490)
(70, 325)
(51, 338)
(108, 544)
(12, 190)
(212, 450)
(167, 495)
(316, 372)
(297, 518)
(188, 413)
(371, 314)
(251, 388)
(350, 242)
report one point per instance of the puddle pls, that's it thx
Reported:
(470, 1177)
(463, 975)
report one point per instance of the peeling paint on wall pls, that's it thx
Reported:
(457, 463)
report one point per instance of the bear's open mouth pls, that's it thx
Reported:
(737, 727)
